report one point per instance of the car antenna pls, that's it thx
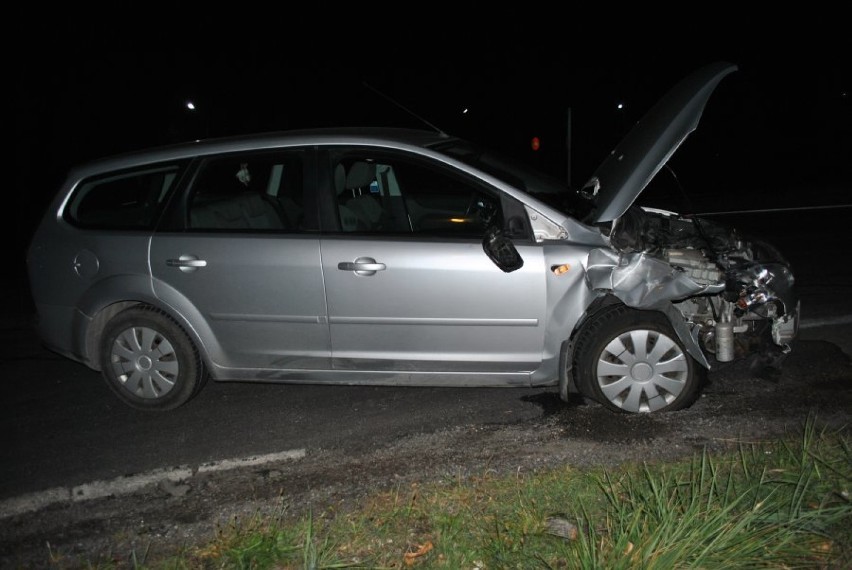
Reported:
(401, 106)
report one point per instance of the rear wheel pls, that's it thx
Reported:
(632, 361)
(148, 360)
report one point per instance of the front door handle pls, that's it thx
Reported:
(187, 263)
(362, 266)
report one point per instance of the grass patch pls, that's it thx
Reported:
(781, 504)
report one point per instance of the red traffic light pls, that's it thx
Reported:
(535, 143)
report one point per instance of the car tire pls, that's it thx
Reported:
(149, 361)
(632, 361)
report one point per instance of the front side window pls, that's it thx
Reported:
(248, 192)
(126, 200)
(391, 195)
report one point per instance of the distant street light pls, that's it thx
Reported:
(190, 105)
(464, 111)
(621, 105)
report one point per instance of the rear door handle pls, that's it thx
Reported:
(362, 266)
(187, 263)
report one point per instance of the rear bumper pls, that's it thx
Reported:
(59, 329)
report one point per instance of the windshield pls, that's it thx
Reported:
(544, 187)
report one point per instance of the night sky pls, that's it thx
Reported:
(100, 83)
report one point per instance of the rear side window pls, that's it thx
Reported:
(129, 200)
(254, 192)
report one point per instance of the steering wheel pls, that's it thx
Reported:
(472, 205)
(482, 208)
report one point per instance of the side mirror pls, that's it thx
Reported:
(501, 250)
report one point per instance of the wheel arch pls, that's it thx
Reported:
(104, 301)
(567, 384)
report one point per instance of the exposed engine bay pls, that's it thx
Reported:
(734, 295)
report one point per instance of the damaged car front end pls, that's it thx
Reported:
(725, 296)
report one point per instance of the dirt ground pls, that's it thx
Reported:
(816, 380)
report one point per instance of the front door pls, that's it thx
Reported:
(428, 305)
(408, 284)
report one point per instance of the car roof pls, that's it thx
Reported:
(386, 136)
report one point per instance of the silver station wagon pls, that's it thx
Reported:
(401, 257)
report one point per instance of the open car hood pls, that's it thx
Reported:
(629, 168)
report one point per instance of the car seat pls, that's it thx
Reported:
(366, 208)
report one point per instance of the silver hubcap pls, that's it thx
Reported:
(642, 371)
(145, 362)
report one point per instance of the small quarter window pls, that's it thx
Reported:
(126, 200)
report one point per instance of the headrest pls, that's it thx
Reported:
(361, 174)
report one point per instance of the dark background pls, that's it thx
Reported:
(94, 81)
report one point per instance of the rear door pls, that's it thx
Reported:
(242, 262)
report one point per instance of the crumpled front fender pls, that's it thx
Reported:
(644, 282)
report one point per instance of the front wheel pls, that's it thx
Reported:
(148, 360)
(632, 361)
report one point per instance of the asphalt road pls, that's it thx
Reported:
(62, 426)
